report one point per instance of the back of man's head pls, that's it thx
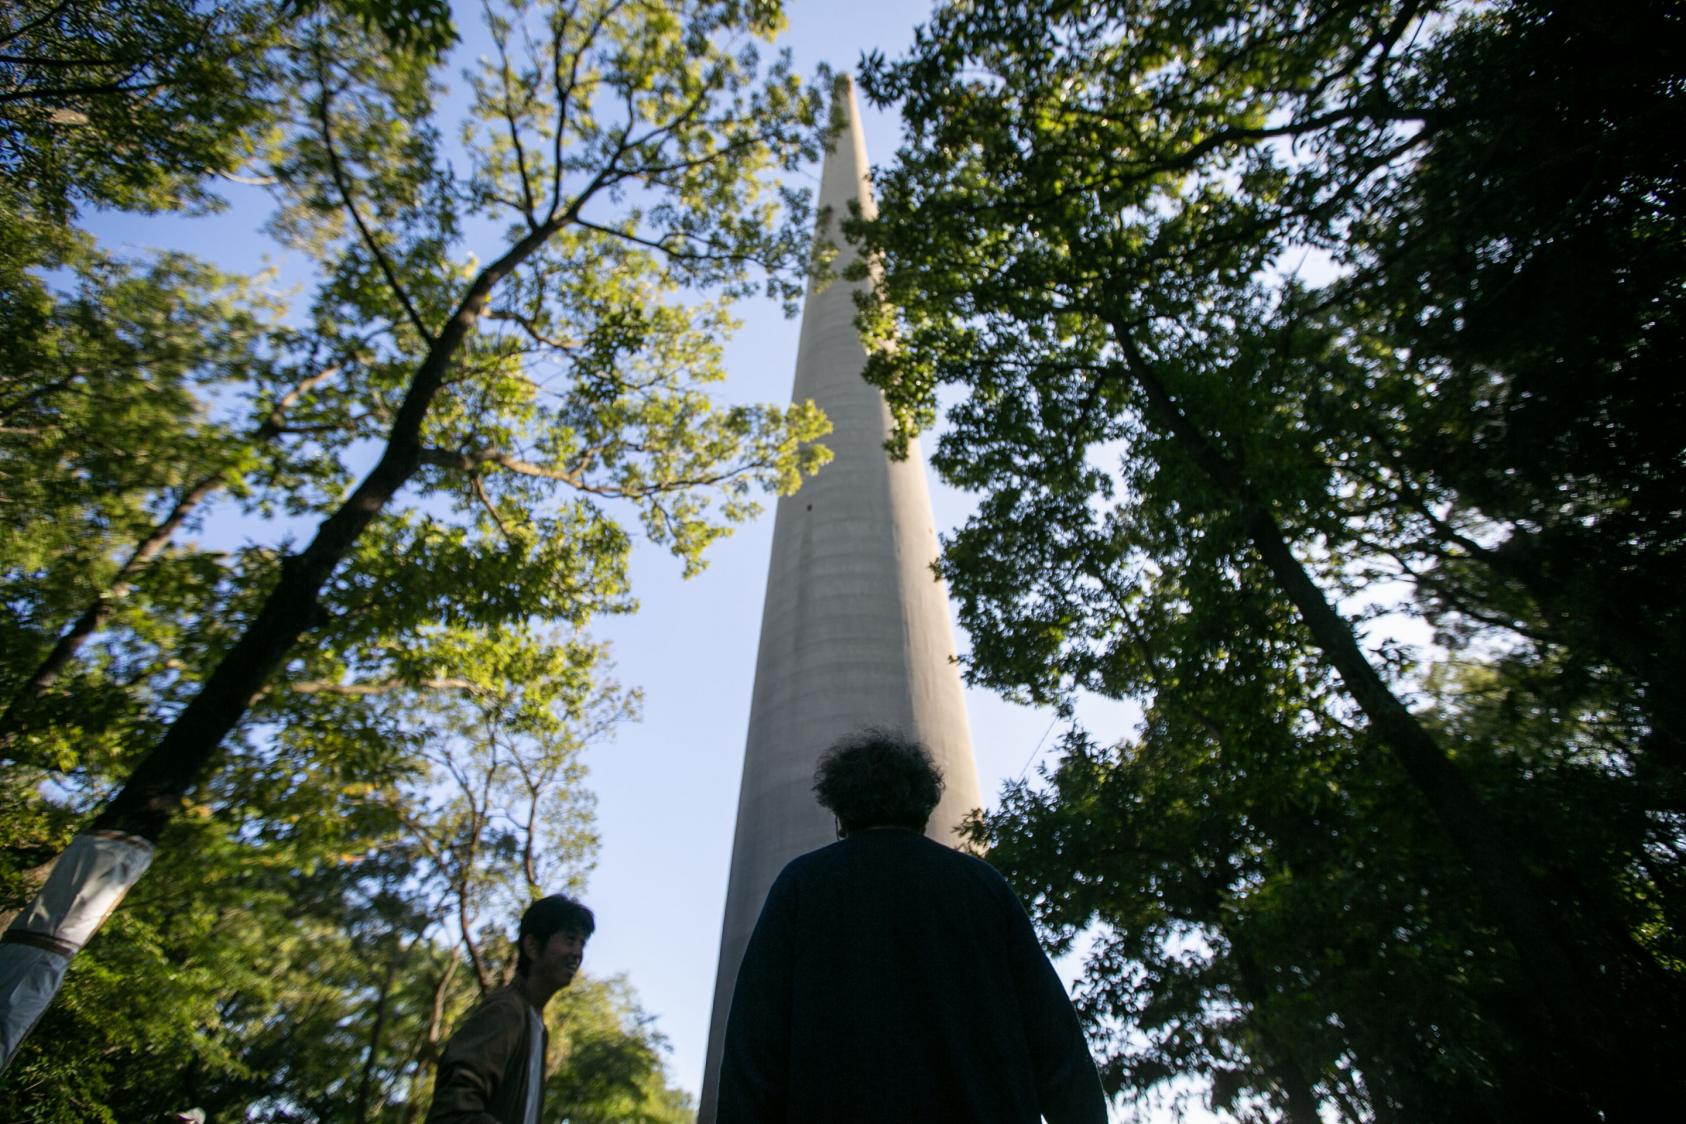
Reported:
(878, 778)
(547, 917)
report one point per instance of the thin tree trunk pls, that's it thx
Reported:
(529, 844)
(436, 1016)
(360, 1109)
(427, 1050)
(1299, 1102)
(481, 976)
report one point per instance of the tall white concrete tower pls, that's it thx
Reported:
(855, 629)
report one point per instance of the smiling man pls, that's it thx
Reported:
(492, 1070)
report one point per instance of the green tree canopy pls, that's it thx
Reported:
(1263, 321)
(470, 444)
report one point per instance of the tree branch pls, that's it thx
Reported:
(324, 116)
(381, 687)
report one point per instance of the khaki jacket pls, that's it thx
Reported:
(483, 1072)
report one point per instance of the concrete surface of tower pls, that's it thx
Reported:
(855, 627)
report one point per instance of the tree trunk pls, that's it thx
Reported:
(427, 1050)
(1586, 1035)
(360, 1110)
(482, 975)
(1299, 1102)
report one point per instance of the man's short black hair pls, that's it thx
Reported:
(878, 778)
(546, 917)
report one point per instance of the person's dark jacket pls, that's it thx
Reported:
(483, 1071)
(890, 978)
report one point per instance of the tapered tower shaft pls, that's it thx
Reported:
(855, 627)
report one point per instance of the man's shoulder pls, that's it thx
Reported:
(508, 997)
(969, 865)
(908, 851)
(476, 1067)
(501, 1014)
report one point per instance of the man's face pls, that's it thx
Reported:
(559, 959)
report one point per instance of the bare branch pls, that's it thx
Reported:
(99, 90)
(381, 687)
(486, 502)
(530, 327)
(507, 107)
(324, 117)
(31, 25)
(574, 477)
(664, 245)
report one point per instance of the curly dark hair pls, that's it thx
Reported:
(878, 778)
(547, 917)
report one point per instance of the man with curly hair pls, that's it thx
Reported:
(890, 978)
